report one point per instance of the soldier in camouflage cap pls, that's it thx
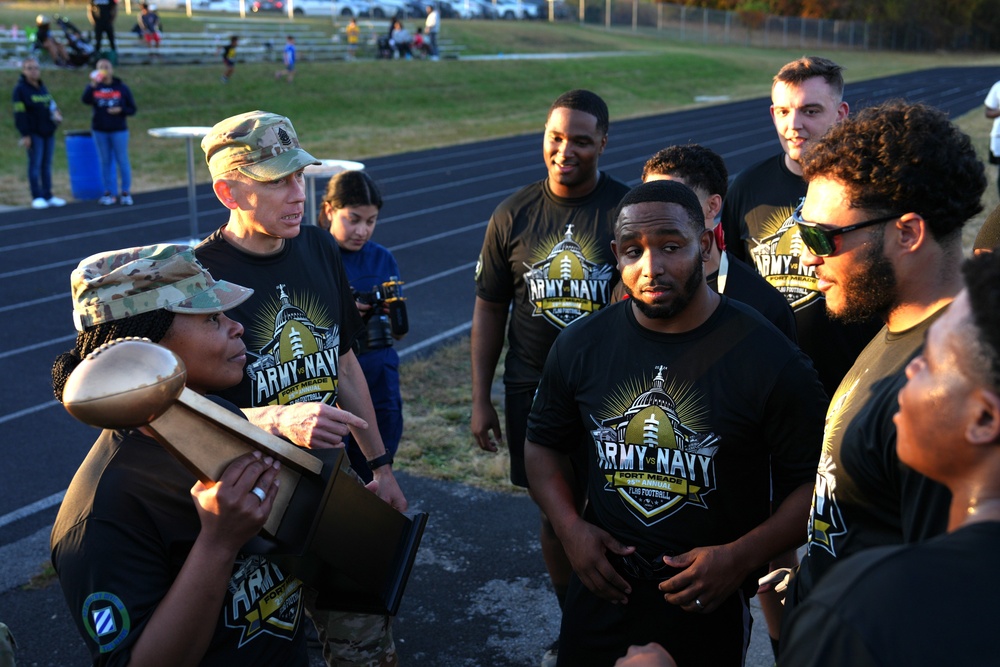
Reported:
(260, 145)
(303, 316)
(114, 285)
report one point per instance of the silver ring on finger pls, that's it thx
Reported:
(697, 603)
(259, 492)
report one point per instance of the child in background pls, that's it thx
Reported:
(353, 37)
(149, 27)
(229, 58)
(420, 47)
(289, 57)
(350, 209)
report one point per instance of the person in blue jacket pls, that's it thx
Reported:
(350, 210)
(113, 103)
(36, 117)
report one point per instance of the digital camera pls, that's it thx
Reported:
(382, 325)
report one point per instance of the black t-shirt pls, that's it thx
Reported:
(552, 257)
(123, 532)
(744, 284)
(684, 433)
(756, 220)
(864, 496)
(929, 604)
(299, 321)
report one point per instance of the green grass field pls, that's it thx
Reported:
(357, 110)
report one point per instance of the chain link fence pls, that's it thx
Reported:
(758, 29)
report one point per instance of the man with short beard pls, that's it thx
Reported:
(889, 192)
(688, 407)
(546, 262)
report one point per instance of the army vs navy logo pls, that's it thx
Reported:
(652, 452)
(826, 522)
(777, 258)
(297, 353)
(564, 285)
(264, 600)
(106, 620)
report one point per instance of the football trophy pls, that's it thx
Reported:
(339, 538)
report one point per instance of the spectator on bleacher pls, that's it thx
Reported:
(102, 15)
(353, 37)
(420, 46)
(289, 58)
(431, 27)
(113, 103)
(36, 117)
(44, 39)
(401, 40)
(149, 26)
(229, 57)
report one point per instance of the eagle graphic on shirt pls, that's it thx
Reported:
(654, 449)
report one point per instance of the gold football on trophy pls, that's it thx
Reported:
(123, 384)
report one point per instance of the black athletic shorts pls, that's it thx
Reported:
(517, 407)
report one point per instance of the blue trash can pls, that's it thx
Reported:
(84, 166)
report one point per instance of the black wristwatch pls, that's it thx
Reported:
(379, 461)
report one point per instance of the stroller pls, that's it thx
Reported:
(80, 51)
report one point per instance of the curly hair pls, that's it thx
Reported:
(349, 188)
(982, 281)
(700, 167)
(152, 325)
(899, 157)
(585, 101)
(799, 71)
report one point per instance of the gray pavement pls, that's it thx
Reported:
(478, 595)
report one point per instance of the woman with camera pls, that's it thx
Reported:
(350, 210)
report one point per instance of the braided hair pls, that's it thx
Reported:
(152, 325)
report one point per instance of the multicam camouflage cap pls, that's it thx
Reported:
(261, 145)
(114, 285)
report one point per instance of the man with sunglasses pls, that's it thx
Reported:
(806, 101)
(889, 192)
(873, 609)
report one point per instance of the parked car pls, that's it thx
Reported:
(446, 9)
(475, 9)
(230, 6)
(387, 9)
(345, 8)
(350, 8)
(514, 9)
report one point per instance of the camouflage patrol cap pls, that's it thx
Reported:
(260, 145)
(114, 285)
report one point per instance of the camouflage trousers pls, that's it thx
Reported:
(351, 639)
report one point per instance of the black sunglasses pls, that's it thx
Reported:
(822, 241)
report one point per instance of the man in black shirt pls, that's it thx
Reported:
(302, 380)
(806, 101)
(889, 192)
(875, 607)
(547, 251)
(690, 408)
(704, 171)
